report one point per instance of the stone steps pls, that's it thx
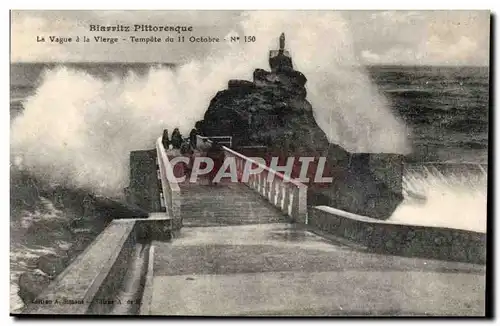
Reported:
(207, 223)
(246, 208)
(218, 196)
(202, 212)
(227, 202)
(233, 204)
(240, 190)
(230, 205)
(234, 217)
(229, 214)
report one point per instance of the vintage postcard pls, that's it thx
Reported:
(249, 163)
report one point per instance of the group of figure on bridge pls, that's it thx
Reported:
(177, 142)
(177, 145)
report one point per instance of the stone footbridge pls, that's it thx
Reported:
(256, 248)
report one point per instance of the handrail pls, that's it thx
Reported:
(265, 167)
(168, 171)
(170, 188)
(230, 139)
(283, 192)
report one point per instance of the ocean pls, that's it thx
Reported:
(447, 108)
(62, 115)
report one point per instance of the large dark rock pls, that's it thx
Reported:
(44, 231)
(365, 186)
(272, 111)
(264, 111)
(24, 191)
(51, 264)
(31, 284)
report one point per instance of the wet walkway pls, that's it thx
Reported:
(277, 269)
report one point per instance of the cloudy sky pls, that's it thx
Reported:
(378, 37)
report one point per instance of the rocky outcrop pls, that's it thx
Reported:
(272, 111)
(63, 222)
(49, 266)
(31, 284)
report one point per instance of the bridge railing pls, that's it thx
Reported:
(287, 194)
(223, 140)
(170, 189)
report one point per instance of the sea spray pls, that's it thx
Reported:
(78, 130)
(348, 107)
(436, 195)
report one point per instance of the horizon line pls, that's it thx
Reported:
(180, 63)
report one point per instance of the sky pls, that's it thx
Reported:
(378, 37)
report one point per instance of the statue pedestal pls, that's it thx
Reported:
(280, 61)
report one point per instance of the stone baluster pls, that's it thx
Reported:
(260, 178)
(289, 196)
(300, 205)
(239, 167)
(290, 202)
(277, 191)
(251, 181)
(272, 189)
(264, 184)
(285, 198)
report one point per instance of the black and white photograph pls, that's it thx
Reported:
(249, 163)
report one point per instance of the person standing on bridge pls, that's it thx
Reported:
(164, 139)
(192, 138)
(176, 138)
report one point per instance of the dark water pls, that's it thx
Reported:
(446, 107)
